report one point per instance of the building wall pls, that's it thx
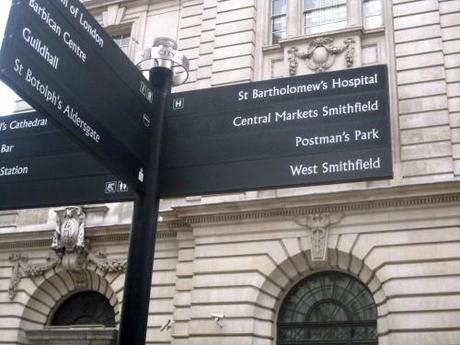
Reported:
(239, 254)
(245, 262)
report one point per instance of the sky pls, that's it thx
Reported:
(7, 96)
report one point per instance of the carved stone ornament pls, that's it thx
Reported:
(69, 236)
(71, 251)
(321, 54)
(22, 269)
(319, 224)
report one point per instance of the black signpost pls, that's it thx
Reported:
(322, 128)
(58, 58)
(136, 294)
(40, 166)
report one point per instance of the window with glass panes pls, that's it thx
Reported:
(324, 15)
(278, 20)
(330, 308)
(309, 17)
(372, 14)
(122, 41)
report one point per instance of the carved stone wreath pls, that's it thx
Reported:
(321, 54)
(71, 251)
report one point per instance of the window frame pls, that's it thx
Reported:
(277, 16)
(122, 36)
(123, 29)
(364, 16)
(293, 321)
(295, 20)
(322, 8)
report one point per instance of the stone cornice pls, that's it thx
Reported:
(302, 211)
(292, 207)
(185, 217)
(96, 235)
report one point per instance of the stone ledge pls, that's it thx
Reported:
(73, 336)
(295, 206)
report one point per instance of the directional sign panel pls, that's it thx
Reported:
(59, 59)
(40, 166)
(322, 128)
(325, 128)
(63, 192)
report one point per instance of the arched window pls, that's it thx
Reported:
(328, 308)
(85, 308)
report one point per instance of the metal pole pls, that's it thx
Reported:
(136, 296)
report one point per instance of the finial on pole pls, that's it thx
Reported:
(164, 53)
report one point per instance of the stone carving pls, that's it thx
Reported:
(100, 261)
(70, 231)
(71, 251)
(319, 225)
(293, 64)
(23, 269)
(321, 54)
(69, 238)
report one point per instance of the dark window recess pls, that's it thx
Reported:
(85, 308)
(328, 308)
(122, 41)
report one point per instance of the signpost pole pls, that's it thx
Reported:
(136, 296)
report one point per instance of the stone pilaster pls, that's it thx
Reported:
(425, 125)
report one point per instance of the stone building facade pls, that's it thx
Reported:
(230, 268)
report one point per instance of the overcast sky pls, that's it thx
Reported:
(6, 95)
